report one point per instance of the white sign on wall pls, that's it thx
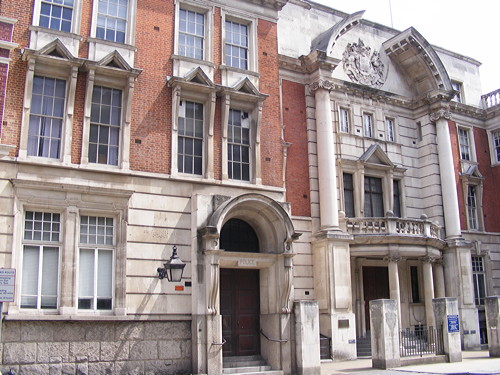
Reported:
(7, 284)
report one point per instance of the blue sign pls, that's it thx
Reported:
(453, 324)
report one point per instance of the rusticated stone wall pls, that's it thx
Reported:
(96, 347)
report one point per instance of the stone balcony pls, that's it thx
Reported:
(394, 230)
(491, 99)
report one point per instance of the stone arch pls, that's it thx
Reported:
(268, 218)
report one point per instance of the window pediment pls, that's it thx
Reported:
(113, 64)
(375, 155)
(54, 52)
(196, 79)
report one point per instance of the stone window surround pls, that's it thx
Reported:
(109, 77)
(491, 139)
(460, 90)
(472, 148)
(387, 173)
(75, 20)
(371, 114)
(394, 129)
(478, 183)
(53, 68)
(206, 96)
(131, 22)
(349, 119)
(208, 11)
(110, 203)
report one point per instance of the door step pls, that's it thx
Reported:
(247, 365)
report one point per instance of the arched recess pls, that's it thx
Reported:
(418, 59)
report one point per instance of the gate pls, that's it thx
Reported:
(421, 340)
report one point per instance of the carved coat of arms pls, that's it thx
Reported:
(362, 66)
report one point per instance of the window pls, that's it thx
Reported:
(105, 124)
(238, 151)
(478, 276)
(458, 87)
(46, 117)
(368, 124)
(191, 34)
(396, 209)
(344, 120)
(95, 280)
(389, 128)
(464, 143)
(112, 20)
(472, 207)
(56, 14)
(190, 138)
(236, 48)
(496, 145)
(415, 292)
(40, 269)
(348, 195)
(374, 202)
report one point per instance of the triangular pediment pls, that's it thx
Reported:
(198, 76)
(473, 171)
(247, 87)
(55, 49)
(375, 155)
(114, 60)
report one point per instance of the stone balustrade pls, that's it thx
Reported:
(491, 99)
(392, 225)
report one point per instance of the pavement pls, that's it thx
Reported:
(473, 363)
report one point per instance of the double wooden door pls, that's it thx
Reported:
(240, 309)
(375, 286)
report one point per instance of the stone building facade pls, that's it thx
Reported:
(301, 169)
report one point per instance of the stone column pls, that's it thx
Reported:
(307, 338)
(385, 333)
(327, 172)
(394, 290)
(428, 291)
(446, 313)
(439, 289)
(447, 174)
(492, 307)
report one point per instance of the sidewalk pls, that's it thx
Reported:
(473, 362)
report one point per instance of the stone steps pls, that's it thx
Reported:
(364, 346)
(247, 365)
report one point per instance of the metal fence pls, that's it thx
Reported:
(421, 340)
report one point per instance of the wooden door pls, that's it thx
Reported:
(240, 309)
(375, 286)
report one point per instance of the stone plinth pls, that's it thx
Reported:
(492, 321)
(384, 333)
(447, 318)
(307, 337)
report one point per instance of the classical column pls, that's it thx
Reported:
(327, 170)
(428, 290)
(439, 289)
(447, 174)
(394, 291)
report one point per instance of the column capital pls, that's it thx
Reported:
(429, 259)
(443, 113)
(392, 258)
(321, 83)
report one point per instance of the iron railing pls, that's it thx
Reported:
(421, 340)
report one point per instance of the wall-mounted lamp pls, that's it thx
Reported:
(173, 268)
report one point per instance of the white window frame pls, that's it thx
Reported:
(41, 244)
(345, 120)
(368, 132)
(477, 182)
(250, 145)
(251, 23)
(130, 27)
(495, 150)
(390, 129)
(479, 269)
(472, 207)
(70, 201)
(96, 248)
(459, 87)
(181, 114)
(468, 131)
(75, 21)
(46, 66)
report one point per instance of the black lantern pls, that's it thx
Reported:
(173, 268)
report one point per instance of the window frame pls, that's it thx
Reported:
(352, 192)
(345, 123)
(193, 137)
(494, 150)
(252, 49)
(41, 247)
(475, 180)
(458, 86)
(96, 248)
(364, 117)
(475, 276)
(390, 129)
(75, 20)
(468, 132)
(371, 194)
(472, 208)
(130, 25)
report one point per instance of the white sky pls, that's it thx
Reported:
(466, 27)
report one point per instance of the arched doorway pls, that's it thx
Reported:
(239, 293)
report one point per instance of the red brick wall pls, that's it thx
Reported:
(491, 201)
(297, 168)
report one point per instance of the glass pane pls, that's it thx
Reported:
(50, 277)
(30, 271)
(104, 273)
(86, 273)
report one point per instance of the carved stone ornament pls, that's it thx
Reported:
(362, 65)
(442, 113)
(321, 84)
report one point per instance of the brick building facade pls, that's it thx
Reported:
(289, 166)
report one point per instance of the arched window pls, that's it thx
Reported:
(237, 235)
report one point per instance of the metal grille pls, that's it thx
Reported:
(421, 340)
